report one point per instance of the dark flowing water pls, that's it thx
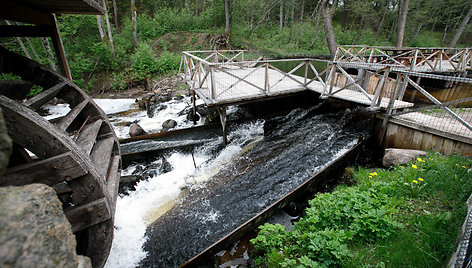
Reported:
(291, 150)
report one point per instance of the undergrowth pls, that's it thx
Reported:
(408, 216)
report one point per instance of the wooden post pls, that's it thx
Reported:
(391, 104)
(266, 80)
(222, 113)
(59, 49)
(306, 72)
(378, 91)
(212, 89)
(194, 107)
(333, 76)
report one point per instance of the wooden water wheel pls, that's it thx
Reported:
(77, 154)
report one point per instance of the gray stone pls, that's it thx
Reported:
(168, 124)
(400, 156)
(5, 145)
(34, 231)
(136, 130)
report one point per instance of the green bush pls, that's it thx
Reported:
(404, 217)
(144, 61)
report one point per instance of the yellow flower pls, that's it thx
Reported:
(420, 179)
(419, 159)
(370, 177)
(463, 166)
(457, 165)
(375, 174)
(415, 181)
(414, 166)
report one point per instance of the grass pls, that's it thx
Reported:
(408, 216)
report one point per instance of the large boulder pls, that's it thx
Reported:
(400, 156)
(34, 231)
(5, 145)
(136, 130)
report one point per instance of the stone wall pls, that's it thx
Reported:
(34, 232)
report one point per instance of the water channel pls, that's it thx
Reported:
(180, 210)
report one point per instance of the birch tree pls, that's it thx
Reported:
(135, 22)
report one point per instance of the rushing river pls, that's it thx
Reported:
(174, 215)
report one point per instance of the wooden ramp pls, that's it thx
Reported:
(77, 154)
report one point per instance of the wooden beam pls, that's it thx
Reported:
(12, 10)
(59, 49)
(89, 214)
(26, 31)
(63, 167)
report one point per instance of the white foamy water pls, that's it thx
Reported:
(157, 195)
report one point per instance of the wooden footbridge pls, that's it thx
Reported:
(376, 77)
(77, 154)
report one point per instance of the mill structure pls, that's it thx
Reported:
(77, 154)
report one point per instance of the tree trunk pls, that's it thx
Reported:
(301, 23)
(135, 22)
(101, 27)
(402, 14)
(379, 28)
(22, 45)
(36, 56)
(287, 9)
(49, 53)
(204, 6)
(415, 33)
(359, 30)
(327, 21)
(444, 35)
(281, 23)
(115, 15)
(227, 18)
(110, 36)
(292, 18)
(461, 28)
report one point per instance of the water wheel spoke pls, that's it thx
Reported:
(86, 138)
(89, 214)
(48, 171)
(113, 179)
(45, 96)
(64, 122)
(101, 155)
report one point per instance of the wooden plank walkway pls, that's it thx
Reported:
(239, 85)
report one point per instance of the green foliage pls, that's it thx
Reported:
(144, 61)
(404, 217)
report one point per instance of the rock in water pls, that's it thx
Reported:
(400, 156)
(192, 117)
(168, 124)
(136, 130)
(5, 145)
(34, 231)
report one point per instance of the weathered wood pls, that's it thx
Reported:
(65, 121)
(84, 216)
(44, 97)
(86, 138)
(64, 167)
(15, 89)
(113, 180)
(37, 134)
(102, 155)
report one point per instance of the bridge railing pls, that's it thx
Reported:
(442, 105)
(225, 74)
(416, 59)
